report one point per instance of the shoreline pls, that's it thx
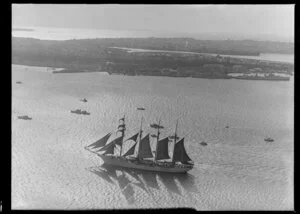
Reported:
(140, 50)
(67, 71)
(22, 29)
(80, 56)
(72, 71)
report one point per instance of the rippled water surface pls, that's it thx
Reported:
(236, 170)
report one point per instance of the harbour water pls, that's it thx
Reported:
(236, 170)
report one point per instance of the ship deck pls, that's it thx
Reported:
(146, 164)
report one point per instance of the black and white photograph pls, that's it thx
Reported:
(148, 106)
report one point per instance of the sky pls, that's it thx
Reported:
(258, 22)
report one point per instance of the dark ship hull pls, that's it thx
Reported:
(144, 165)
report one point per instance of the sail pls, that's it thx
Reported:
(180, 153)
(130, 151)
(134, 137)
(117, 141)
(145, 150)
(162, 151)
(100, 142)
(110, 149)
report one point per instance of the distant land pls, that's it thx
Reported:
(101, 55)
(22, 29)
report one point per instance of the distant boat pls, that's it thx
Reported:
(25, 117)
(203, 143)
(85, 112)
(84, 100)
(143, 157)
(269, 139)
(227, 127)
(79, 111)
(141, 108)
(19, 82)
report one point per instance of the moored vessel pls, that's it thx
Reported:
(25, 117)
(269, 139)
(79, 111)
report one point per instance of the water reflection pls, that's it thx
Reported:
(150, 179)
(126, 179)
(126, 188)
(169, 183)
(102, 174)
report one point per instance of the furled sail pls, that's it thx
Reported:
(121, 126)
(110, 149)
(156, 126)
(180, 153)
(134, 137)
(130, 151)
(162, 151)
(117, 141)
(145, 150)
(101, 142)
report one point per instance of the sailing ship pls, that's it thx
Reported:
(139, 155)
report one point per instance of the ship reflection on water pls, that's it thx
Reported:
(126, 179)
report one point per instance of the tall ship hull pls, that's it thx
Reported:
(135, 164)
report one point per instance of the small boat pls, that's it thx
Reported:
(79, 111)
(227, 127)
(141, 108)
(203, 143)
(269, 139)
(19, 82)
(85, 112)
(25, 117)
(84, 100)
(140, 155)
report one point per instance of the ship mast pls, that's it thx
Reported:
(122, 132)
(175, 138)
(157, 138)
(140, 137)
